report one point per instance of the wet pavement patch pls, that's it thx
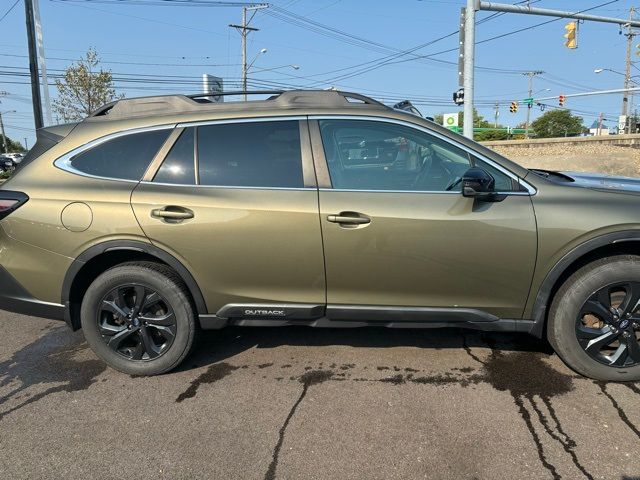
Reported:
(312, 377)
(527, 377)
(621, 413)
(213, 373)
(56, 353)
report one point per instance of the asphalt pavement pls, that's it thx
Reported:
(299, 403)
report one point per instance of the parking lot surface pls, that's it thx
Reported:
(298, 403)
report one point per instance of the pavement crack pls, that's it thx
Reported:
(307, 379)
(214, 373)
(616, 405)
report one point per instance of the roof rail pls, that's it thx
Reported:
(179, 103)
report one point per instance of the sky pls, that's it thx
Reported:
(350, 44)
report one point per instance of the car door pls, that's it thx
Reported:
(398, 233)
(236, 203)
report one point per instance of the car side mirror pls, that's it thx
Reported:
(477, 183)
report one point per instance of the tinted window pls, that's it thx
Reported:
(178, 166)
(125, 157)
(370, 155)
(256, 154)
(503, 182)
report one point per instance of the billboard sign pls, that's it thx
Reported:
(212, 85)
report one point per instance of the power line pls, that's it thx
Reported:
(9, 11)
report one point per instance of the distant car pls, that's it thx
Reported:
(7, 163)
(16, 157)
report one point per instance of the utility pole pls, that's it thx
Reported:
(41, 60)
(530, 102)
(26, 146)
(33, 65)
(627, 71)
(469, 54)
(600, 118)
(496, 114)
(4, 137)
(244, 31)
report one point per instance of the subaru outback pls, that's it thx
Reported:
(157, 217)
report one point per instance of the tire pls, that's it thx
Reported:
(579, 328)
(138, 317)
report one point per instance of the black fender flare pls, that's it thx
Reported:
(136, 246)
(539, 312)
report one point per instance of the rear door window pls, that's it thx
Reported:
(253, 154)
(126, 157)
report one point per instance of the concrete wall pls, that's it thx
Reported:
(632, 140)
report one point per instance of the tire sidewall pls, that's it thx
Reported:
(172, 294)
(567, 304)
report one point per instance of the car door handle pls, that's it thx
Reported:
(172, 213)
(349, 218)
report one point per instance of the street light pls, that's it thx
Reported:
(4, 137)
(625, 99)
(245, 72)
(262, 51)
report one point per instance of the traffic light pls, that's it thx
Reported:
(571, 35)
(514, 107)
(561, 100)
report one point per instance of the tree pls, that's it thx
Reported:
(85, 87)
(557, 123)
(12, 146)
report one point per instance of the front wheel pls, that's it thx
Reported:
(138, 318)
(594, 321)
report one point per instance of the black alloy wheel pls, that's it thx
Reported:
(136, 322)
(608, 325)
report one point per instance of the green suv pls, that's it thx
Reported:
(157, 217)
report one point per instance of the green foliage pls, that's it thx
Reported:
(85, 87)
(557, 123)
(12, 146)
(478, 122)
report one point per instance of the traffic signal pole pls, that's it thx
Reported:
(529, 10)
(469, 54)
(529, 105)
(469, 41)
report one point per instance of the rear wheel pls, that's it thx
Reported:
(138, 318)
(594, 321)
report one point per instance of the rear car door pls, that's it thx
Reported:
(236, 202)
(398, 232)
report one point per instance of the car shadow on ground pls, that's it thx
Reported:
(219, 345)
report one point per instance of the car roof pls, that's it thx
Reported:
(201, 103)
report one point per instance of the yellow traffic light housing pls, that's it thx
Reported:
(514, 107)
(571, 35)
(561, 100)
